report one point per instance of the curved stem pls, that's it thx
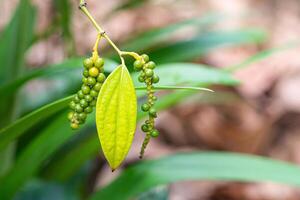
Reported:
(84, 9)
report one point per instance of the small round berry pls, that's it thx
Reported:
(74, 126)
(82, 116)
(145, 57)
(84, 80)
(138, 65)
(88, 98)
(85, 89)
(72, 105)
(88, 63)
(80, 94)
(99, 62)
(78, 108)
(101, 78)
(94, 93)
(84, 103)
(152, 112)
(145, 128)
(154, 98)
(94, 72)
(154, 133)
(155, 78)
(97, 87)
(85, 73)
(151, 65)
(76, 99)
(88, 109)
(141, 79)
(149, 72)
(145, 107)
(93, 103)
(91, 81)
(70, 115)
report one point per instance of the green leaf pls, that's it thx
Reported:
(198, 46)
(198, 166)
(31, 159)
(51, 71)
(15, 40)
(10, 133)
(188, 74)
(116, 112)
(157, 36)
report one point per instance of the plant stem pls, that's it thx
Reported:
(84, 9)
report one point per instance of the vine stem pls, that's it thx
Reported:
(83, 8)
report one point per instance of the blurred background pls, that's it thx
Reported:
(256, 41)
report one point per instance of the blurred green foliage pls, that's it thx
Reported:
(39, 153)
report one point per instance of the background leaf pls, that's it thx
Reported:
(198, 166)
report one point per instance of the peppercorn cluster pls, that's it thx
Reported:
(85, 99)
(147, 76)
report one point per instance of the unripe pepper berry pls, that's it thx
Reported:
(83, 103)
(88, 109)
(149, 72)
(85, 73)
(145, 128)
(91, 81)
(154, 133)
(99, 62)
(94, 72)
(78, 108)
(155, 78)
(89, 97)
(80, 94)
(151, 65)
(72, 105)
(145, 57)
(88, 63)
(97, 87)
(85, 89)
(145, 107)
(152, 112)
(101, 78)
(74, 126)
(138, 65)
(94, 93)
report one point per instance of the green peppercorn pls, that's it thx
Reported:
(74, 126)
(85, 89)
(145, 57)
(152, 112)
(83, 103)
(155, 78)
(99, 62)
(76, 99)
(145, 107)
(145, 128)
(101, 78)
(149, 72)
(88, 109)
(154, 98)
(94, 93)
(84, 80)
(72, 105)
(151, 65)
(97, 87)
(85, 73)
(94, 72)
(141, 79)
(88, 63)
(154, 133)
(91, 81)
(93, 103)
(82, 116)
(138, 65)
(70, 115)
(78, 108)
(80, 94)
(88, 98)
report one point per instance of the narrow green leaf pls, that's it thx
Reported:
(198, 166)
(165, 87)
(188, 74)
(31, 159)
(198, 46)
(116, 112)
(15, 40)
(50, 71)
(10, 133)
(156, 36)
